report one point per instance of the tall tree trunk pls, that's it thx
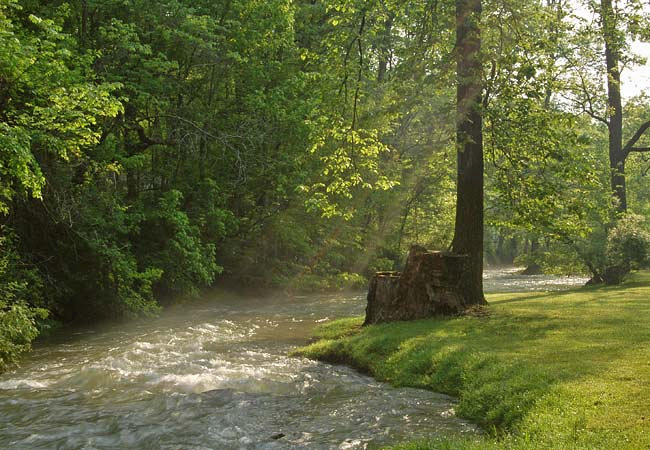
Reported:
(615, 105)
(468, 233)
(385, 48)
(83, 29)
(533, 268)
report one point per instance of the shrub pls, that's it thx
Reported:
(19, 286)
(628, 243)
(17, 330)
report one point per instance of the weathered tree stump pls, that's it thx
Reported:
(383, 297)
(427, 287)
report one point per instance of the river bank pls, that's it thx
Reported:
(540, 370)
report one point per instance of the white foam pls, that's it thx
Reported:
(21, 384)
(190, 383)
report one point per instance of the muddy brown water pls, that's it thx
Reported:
(215, 375)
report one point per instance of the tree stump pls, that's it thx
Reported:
(383, 297)
(427, 287)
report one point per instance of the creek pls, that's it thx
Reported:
(215, 374)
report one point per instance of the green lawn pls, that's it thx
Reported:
(540, 370)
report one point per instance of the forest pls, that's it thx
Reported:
(152, 150)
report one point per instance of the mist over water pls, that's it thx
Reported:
(213, 375)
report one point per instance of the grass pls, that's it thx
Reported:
(541, 370)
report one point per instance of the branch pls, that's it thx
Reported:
(360, 72)
(490, 84)
(634, 139)
(587, 103)
(146, 141)
(192, 124)
(589, 107)
(640, 150)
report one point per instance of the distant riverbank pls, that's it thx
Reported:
(539, 370)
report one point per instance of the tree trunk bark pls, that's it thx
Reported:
(533, 268)
(468, 233)
(384, 48)
(617, 157)
(619, 188)
(83, 29)
(615, 105)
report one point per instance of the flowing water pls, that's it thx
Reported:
(508, 279)
(215, 375)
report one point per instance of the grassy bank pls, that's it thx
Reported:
(541, 370)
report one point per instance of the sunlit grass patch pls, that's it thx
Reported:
(543, 370)
(339, 328)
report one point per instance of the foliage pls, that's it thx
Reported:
(19, 287)
(17, 330)
(628, 243)
(46, 104)
(170, 237)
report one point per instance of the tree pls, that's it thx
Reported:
(618, 153)
(544, 177)
(468, 234)
(620, 22)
